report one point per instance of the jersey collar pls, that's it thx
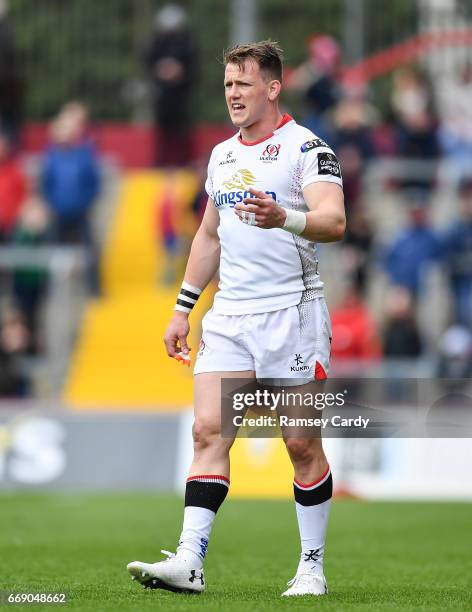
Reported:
(285, 119)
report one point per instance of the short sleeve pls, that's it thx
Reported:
(209, 180)
(319, 163)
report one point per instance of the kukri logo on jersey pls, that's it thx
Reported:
(229, 159)
(237, 189)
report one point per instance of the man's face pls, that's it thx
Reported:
(248, 93)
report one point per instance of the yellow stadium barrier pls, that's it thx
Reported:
(119, 361)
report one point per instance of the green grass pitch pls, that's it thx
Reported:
(380, 556)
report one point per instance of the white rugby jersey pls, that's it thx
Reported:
(262, 270)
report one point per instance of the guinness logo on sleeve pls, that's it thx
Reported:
(328, 164)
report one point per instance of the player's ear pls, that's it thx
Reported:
(274, 90)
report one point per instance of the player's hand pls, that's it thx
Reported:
(176, 334)
(261, 210)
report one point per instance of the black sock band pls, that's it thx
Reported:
(206, 492)
(316, 492)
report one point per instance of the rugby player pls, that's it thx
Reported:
(274, 190)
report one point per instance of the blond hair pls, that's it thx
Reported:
(267, 54)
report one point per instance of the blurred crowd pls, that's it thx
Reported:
(48, 207)
(420, 128)
(419, 124)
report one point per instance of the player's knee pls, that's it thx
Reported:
(205, 433)
(301, 450)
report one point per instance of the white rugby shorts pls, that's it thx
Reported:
(291, 346)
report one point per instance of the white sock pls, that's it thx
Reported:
(203, 496)
(313, 502)
(312, 524)
(195, 534)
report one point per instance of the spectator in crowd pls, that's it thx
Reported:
(455, 129)
(70, 181)
(455, 353)
(355, 335)
(201, 197)
(457, 244)
(13, 345)
(12, 189)
(353, 119)
(171, 61)
(175, 225)
(357, 247)
(416, 133)
(413, 251)
(11, 86)
(11, 383)
(30, 283)
(167, 230)
(401, 336)
(317, 80)
(451, 413)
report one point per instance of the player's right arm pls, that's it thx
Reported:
(204, 258)
(202, 265)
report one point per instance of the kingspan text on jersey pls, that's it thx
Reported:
(234, 197)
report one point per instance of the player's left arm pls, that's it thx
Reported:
(326, 219)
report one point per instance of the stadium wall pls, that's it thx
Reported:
(47, 448)
(131, 146)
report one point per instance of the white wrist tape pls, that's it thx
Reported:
(187, 297)
(295, 221)
(248, 217)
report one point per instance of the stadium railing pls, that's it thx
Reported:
(64, 301)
